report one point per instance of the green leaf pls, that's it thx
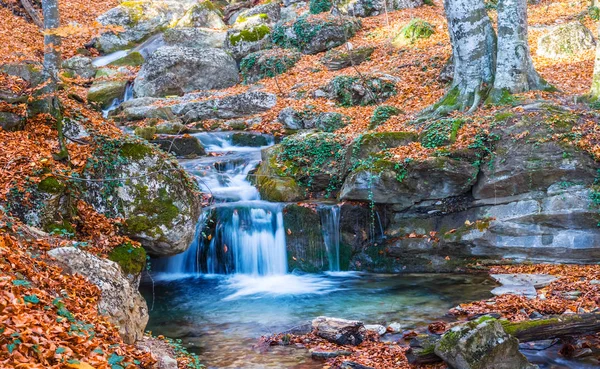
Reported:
(32, 299)
(115, 359)
(60, 350)
(21, 282)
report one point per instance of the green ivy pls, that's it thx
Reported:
(382, 114)
(320, 6)
(441, 133)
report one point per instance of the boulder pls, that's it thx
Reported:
(171, 128)
(120, 300)
(308, 119)
(350, 90)
(481, 344)
(249, 139)
(159, 202)
(79, 67)
(109, 85)
(269, 12)
(10, 121)
(565, 41)
(199, 38)
(139, 20)
(339, 59)
(406, 184)
(367, 8)
(272, 184)
(248, 37)
(267, 63)
(174, 70)
(186, 146)
(312, 34)
(377, 328)
(416, 29)
(374, 143)
(203, 14)
(189, 109)
(339, 331)
(132, 59)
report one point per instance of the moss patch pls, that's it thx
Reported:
(51, 185)
(133, 59)
(159, 211)
(135, 151)
(253, 34)
(131, 259)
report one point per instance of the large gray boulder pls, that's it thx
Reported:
(158, 200)
(312, 34)
(199, 38)
(481, 344)
(565, 41)
(203, 14)
(120, 299)
(339, 331)
(139, 20)
(174, 70)
(249, 36)
(367, 8)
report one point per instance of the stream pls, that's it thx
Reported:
(233, 284)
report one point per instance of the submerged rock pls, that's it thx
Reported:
(339, 331)
(120, 300)
(173, 70)
(481, 344)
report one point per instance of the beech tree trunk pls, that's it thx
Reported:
(514, 68)
(52, 61)
(473, 50)
(595, 90)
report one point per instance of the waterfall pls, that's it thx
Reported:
(330, 223)
(128, 95)
(239, 233)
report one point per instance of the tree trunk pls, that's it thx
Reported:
(52, 61)
(473, 50)
(514, 68)
(595, 90)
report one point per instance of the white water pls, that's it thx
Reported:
(146, 49)
(330, 223)
(118, 101)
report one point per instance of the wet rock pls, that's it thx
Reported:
(321, 354)
(394, 327)
(481, 344)
(120, 300)
(519, 290)
(339, 331)
(353, 365)
(174, 70)
(159, 202)
(565, 41)
(203, 14)
(368, 8)
(535, 280)
(249, 139)
(272, 184)
(312, 35)
(79, 66)
(340, 59)
(186, 146)
(377, 328)
(305, 247)
(199, 38)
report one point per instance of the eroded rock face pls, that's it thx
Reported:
(479, 345)
(339, 331)
(159, 202)
(174, 70)
(120, 300)
(565, 41)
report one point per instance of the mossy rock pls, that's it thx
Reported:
(51, 185)
(133, 59)
(331, 122)
(382, 114)
(249, 139)
(253, 34)
(320, 6)
(273, 185)
(350, 90)
(339, 59)
(267, 63)
(441, 132)
(373, 143)
(147, 133)
(104, 92)
(64, 228)
(304, 240)
(416, 29)
(132, 260)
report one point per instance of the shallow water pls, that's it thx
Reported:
(220, 317)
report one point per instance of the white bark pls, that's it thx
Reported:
(473, 49)
(51, 42)
(595, 90)
(514, 68)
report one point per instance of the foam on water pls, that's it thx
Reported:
(242, 285)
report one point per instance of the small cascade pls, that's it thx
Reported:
(330, 223)
(128, 95)
(146, 49)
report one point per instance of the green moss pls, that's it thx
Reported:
(267, 63)
(147, 133)
(500, 97)
(133, 59)
(159, 211)
(441, 132)
(253, 34)
(51, 185)
(135, 151)
(414, 30)
(515, 328)
(136, 10)
(64, 228)
(131, 259)
(503, 116)
(209, 6)
(343, 88)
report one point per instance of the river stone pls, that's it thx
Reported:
(367, 8)
(120, 300)
(139, 20)
(158, 200)
(79, 66)
(565, 41)
(203, 14)
(174, 70)
(535, 280)
(377, 328)
(339, 331)
(199, 38)
(430, 179)
(321, 354)
(519, 290)
(481, 344)
(186, 146)
(161, 350)
(311, 34)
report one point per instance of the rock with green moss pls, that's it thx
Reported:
(110, 84)
(406, 183)
(373, 143)
(481, 344)
(441, 132)
(249, 139)
(158, 200)
(139, 19)
(269, 12)
(565, 41)
(350, 90)
(331, 122)
(381, 114)
(198, 38)
(147, 133)
(267, 63)
(132, 260)
(79, 67)
(173, 70)
(171, 128)
(367, 8)
(185, 146)
(204, 14)
(416, 29)
(337, 59)
(306, 249)
(319, 6)
(273, 185)
(133, 59)
(248, 37)
(312, 34)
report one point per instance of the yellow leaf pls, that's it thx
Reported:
(80, 365)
